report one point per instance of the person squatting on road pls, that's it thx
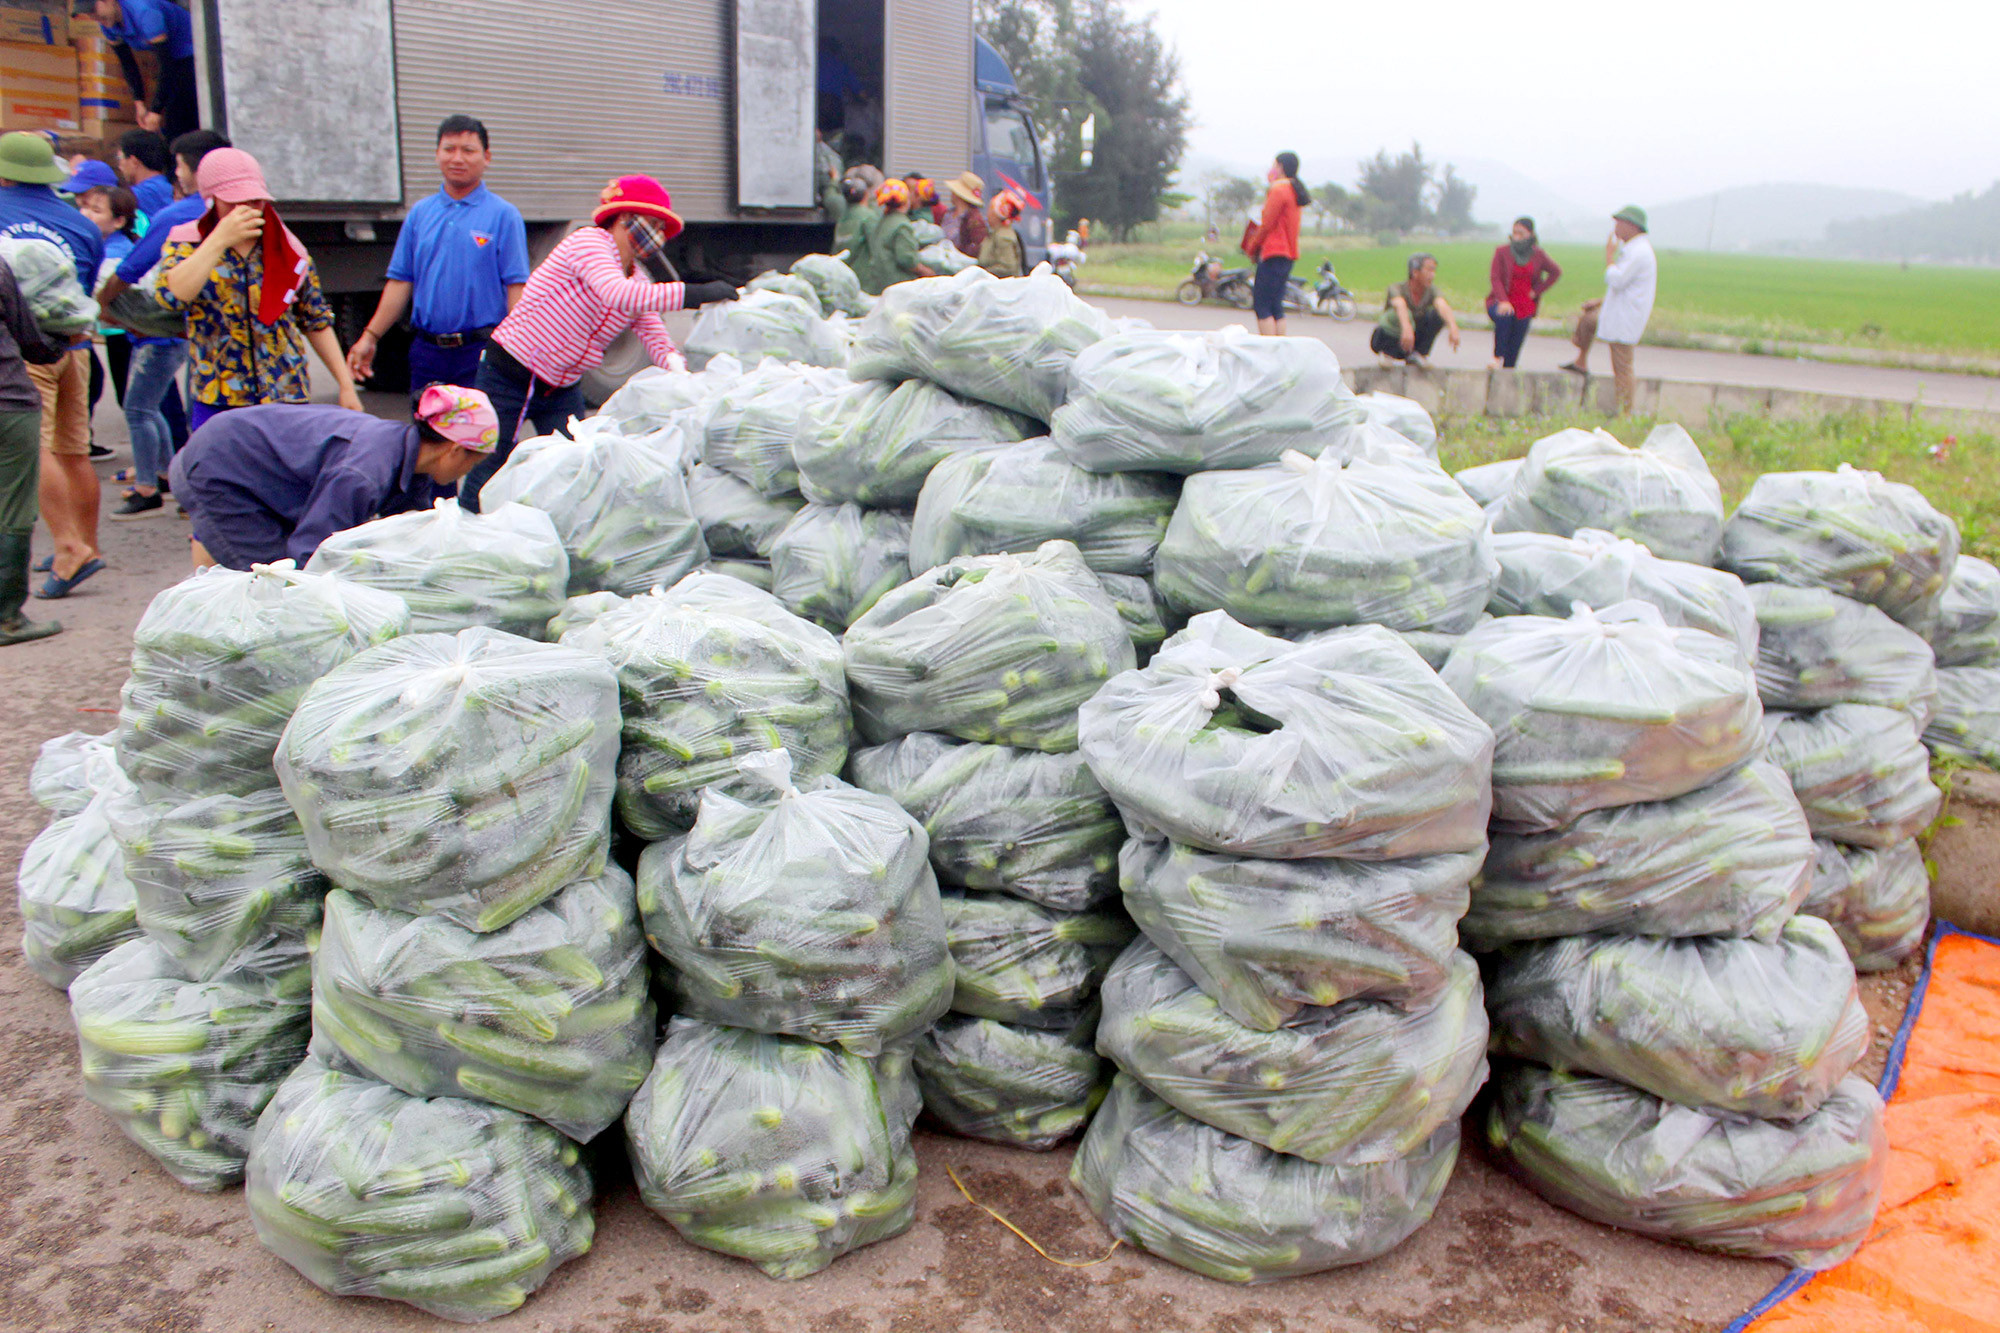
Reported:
(1273, 244)
(460, 265)
(593, 286)
(1522, 271)
(1631, 277)
(1414, 312)
(263, 484)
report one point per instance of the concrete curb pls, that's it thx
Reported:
(1522, 393)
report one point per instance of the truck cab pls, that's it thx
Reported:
(1007, 149)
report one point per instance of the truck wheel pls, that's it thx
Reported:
(1189, 293)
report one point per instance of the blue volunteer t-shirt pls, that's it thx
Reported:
(143, 22)
(146, 253)
(34, 211)
(153, 194)
(462, 255)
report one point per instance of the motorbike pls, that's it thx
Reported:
(1209, 280)
(1065, 257)
(1328, 297)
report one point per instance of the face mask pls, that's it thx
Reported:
(649, 241)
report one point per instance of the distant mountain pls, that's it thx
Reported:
(1506, 194)
(1768, 217)
(1964, 230)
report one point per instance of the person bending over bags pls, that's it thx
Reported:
(264, 484)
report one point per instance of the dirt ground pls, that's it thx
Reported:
(95, 1238)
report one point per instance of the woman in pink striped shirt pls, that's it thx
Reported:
(588, 291)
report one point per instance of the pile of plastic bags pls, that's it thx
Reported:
(1660, 495)
(505, 568)
(766, 325)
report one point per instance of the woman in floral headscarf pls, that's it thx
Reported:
(891, 253)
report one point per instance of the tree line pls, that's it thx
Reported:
(1081, 62)
(1400, 192)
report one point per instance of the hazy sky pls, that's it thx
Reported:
(1605, 102)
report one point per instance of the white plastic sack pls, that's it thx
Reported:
(184, 1067)
(736, 520)
(773, 1149)
(1383, 538)
(1968, 622)
(1804, 1192)
(1817, 648)
(1877, 900)
(831, 563)
(655, 398)
(457, 1208)
(1235, 1211)
(620, 504)
(765, 326)
(1543, 575)
(549, 1015)
(1017, 821)
(1861, 772)
(505, 567)
(220, 660)
(1237, 742)
(1847, 531)
(1966, 721)
(749, 427)
(809, 911)
(1605, 708)
(1193, 402)
(989, 501)
(1660, 495)
(1732, 858)
(465, 775)
(50, 285)
(873, 443)
(58, 782)
(1017, 1086)
(838, 288)
(1405, 416)
(1490, 482)
(1761, 1028)
(1009, 343)
(222, 882)
(1267, 939)
(1022, 963)
(998, 648)
(709, 671)
(77, 904)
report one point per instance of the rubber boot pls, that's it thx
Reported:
(15, 627)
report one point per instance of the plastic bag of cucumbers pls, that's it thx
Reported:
(873, 443)
(1543, 575)
(1861, 772)
(77, 904)
(998, 648)
(1235, 1211)
(1024, 1087)
(1605, 708)
(1877, 900)
(1817, 648)
(1022, 963)
(184, 1067)
(220, 660)
(1238, 742)
(504, 567)
(1760, 1028)
(773, 1149)
(467, 775)
(549, 1015)
(458, 1208)
(1660, 495)
(808, 910)
(1968, 621)
(711, 670)
(833, 562)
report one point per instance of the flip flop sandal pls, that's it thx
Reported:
(44, 565)
(56, 588)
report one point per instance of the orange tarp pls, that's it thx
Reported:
(1932, 1263)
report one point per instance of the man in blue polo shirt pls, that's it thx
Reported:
(164, 28)
(146, 166)
(461, 261)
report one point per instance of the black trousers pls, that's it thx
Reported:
(1427, 327)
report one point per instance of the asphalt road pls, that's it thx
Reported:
(1350, 344)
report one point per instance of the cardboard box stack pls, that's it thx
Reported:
(104, 100)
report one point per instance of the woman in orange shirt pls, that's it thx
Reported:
(1274, 244)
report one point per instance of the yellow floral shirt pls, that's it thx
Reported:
(237, 361)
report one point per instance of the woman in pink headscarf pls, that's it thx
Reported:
(251, 295)
(269, 483)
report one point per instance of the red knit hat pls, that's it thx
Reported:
(638, 194)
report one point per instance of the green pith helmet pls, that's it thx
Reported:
(1633, 214)
(30, 159)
